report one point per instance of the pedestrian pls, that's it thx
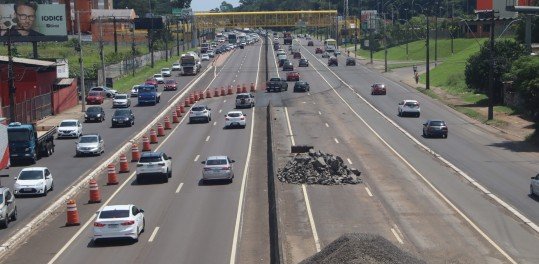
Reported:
(416, 76)
(348, 53)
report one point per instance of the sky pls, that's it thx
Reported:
(206, 5)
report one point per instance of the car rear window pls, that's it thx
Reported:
(121, 96)
(93, 110)
(241, 96)
(88, 139)
(216, 162)
(93, 94)
(68, 124)
(234, 114)
(148, 159)
(198, 108)
(437, 123)
(411, 104)
(114, 214)
(122, 112)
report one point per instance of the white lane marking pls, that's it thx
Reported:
(289, 127)
(239, 214)
(224, 101)
(215, 123)
(196, 158)
(154, 233)
(311, 219)
(438, 192)
(368, 191)
(308, 93)
(207, 138)
(320, 113)
(303, 102)
(336, 140)
(234, 80)
(220, 110)
(176, 95)
(314, 102)
(327, 125)
(179, 187)
(397, 236)
(349, 161)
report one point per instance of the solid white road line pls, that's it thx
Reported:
(327, 125)
(397, 236)
(368, 191)
(311, 219)
(179, 187)
(336, 140)
(196, 158)
(289, 126)
(349, 161)
(207, 138)
(239, 214)
(154, 233)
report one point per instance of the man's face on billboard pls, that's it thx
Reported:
(25, 16)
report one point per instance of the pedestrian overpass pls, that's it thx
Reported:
(266, 19)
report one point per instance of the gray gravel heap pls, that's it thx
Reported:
(316, 167)
(355, 248)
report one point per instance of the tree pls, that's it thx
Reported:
(526, 82)
(520, 30)
(478, 65)
(226, 7)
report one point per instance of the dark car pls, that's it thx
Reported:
(350, 62)
(310, 43)
(303, 63)
(378, 88)
(123, 117)
(282, 62)
(94, 113)
(318, 51)
(288, 66)
(292, 76)
(302, 86)
(435, 128)
(297, 55)
(171, 85)
(333, 61)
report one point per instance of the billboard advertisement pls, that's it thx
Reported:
(28, 21)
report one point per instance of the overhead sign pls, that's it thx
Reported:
(369, 18)
(177, 11)
(149, 23)
(30, 22)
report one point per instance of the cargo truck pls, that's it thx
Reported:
(190, 63)
(29, 142)
(287, 38)
(4, 146)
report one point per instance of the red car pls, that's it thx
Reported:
(152, 81)
(378, 88)
(297, 55)
(95, 98)
(318, 51)
(292, 76)
(171, 85)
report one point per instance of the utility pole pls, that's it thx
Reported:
(115, 35)
(436, 35)
(11, 80)
(451, 32)
(101, 53)
(150, 34)
(177, 36)
(407, 31)
(427, 66)
(491, 71)
(165, 33)
(133, 47)
(385, 43)
(81, 65)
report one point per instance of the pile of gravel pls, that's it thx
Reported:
(355, 248)
(318, 168)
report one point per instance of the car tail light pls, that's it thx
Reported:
(444, 128)
(130, 222)
(97, 224)
(242, 118)
(227, 118)
(139, 165)
(225, 168)
(161, 164)
(207, 169)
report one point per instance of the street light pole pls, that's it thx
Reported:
(491, 71)
(427, 59)
(81, 64)
(11, 80)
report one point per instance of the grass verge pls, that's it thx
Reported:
(125, 83)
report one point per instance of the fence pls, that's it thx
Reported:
(31, 110)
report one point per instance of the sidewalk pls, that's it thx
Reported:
(74, 112)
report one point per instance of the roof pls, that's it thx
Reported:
(110, 13)
(34, 168)
(152, 154)
(65, 81)
(69, 120)
(235, 112)
(116, 207)
(216, 157)
(29, 61)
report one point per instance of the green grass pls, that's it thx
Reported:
(125, 83)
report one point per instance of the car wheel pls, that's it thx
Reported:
(45, 191)
(165, 177)
(136, 235)
(14, 214)
(5, 223)
(531, 190)
(170, 174)
(52, 186)
(140, 180)
(399, 113)
(418, 114)
(424, 135)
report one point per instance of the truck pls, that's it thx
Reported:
(190, 63)
(276, 84)
(29, 142)
(4, 146)
(148, 94)
(204, 47)
(287, 38)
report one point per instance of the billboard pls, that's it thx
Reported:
(33, 22)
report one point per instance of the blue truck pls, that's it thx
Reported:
(148, 94)
(28, 142)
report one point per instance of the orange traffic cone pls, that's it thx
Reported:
(201, 95)
(95, 196)
(197, 98)
(208, 93)
(186, 102)
(135, 154)
(223, 92)
(253, 87)
(167, 123)
(124, 166)
(72, 214)
(182, 110)
(238, 89)
(146, 144)
(112, 176)
(178, 111)
(160, 130)
(216, 93)
(244, 89)
(153, 136)
(191, 99)
(175, 118)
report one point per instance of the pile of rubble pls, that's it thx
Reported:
(361, 248)
(318, 168)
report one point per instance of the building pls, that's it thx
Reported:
(39, 93)
(105, 22)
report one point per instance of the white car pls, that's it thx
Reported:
(176, 67)
(166, 72)
(159, 78)
(409, 107)
(200, 113)
(218, 168)
(119, 221)
(134, 90)
(205, 57)
(32, 181)
(69, 128)
(235, 119)
(121, 100)
(154, 164)
(210, 53)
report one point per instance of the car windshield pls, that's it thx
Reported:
(234, 114)
(123, 112)
(120, 96)
(275, 79)
(114, 214)
(31, 175)
(170, 82)
(146, 89)
(216, 162)
(146, 159)
(68, 124)
(93, 110)
(93, 94)
(157, 75)
(411, 104)
(198, 108)
(1, 198)
(437, 123)
(176, 64)
(165, 69)
(88, 139)
(18, 135)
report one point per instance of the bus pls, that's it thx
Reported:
(231, 38)
(330, 45)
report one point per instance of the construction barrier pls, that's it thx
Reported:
(135, 154)
(95, 196)
(124, 166)
(167, 123)
(223, 92)
(146, 144)
(112, 177)
(160, 130)
(201, 95)
(216, 93)
(72, 214)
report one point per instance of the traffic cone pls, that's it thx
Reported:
(197, 98)
(216, 92)
(160, 130)
(186, 103)
(175, 118)
(208, 93)
(182, 110)
(124, 166)
(95, 196)
(238, 89)
(135, 154)
(112, 176)
(146, 144)
(253, 87)
(178, 111)
(223, 93)
(191, 99)
(201, 95)
(167, 123)
(244, 89)
(153, 136)
(72, 214)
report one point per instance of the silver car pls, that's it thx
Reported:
(218, 168)
(121, 100)
(8, 208)
(90, 145)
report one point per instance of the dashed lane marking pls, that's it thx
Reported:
(397, 236)
(349, 161)
(207, 138)
(289, 127)
(368, 191)
(336, 140)
(320, 113)
(327, 125)
(179, 187)
(154, 233)
(215, 123)
(196, 158)
(311, 219)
